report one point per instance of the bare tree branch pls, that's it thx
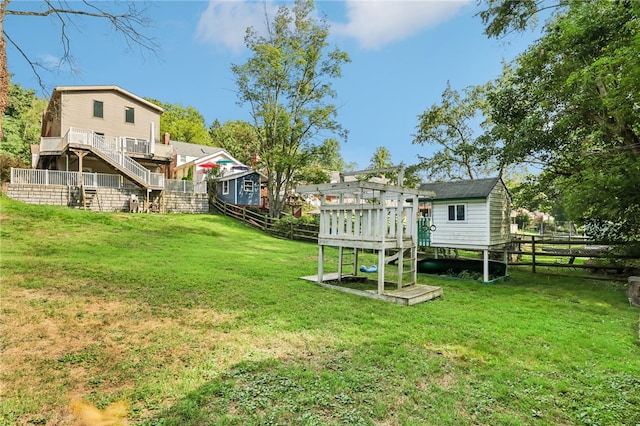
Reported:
(129, 23)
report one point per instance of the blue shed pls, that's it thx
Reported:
(241, 189)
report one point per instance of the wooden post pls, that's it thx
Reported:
(400, 265)
(340, 254)
(380, 271)
(505, 259)
(320, 263)
(355, 261)
(533, 254)
(485, 265)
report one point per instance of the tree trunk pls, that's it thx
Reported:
(4, 72)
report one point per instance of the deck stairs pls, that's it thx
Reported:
(105, 149)
(90, 194)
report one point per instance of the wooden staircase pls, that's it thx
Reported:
(89, 194)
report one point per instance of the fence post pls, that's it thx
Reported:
(533, 254)
(46, 177)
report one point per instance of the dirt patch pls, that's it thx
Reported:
(58, 346)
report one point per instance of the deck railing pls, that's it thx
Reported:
(110, 146)
(365, 222)
(109, 143)
(103, 180)
(57, 177)
(188, 186)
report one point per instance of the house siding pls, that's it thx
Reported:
(248, 198)
(470, 233)
(500, 216)
(77, 111)
(237, 195)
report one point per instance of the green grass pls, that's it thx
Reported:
(199, 320)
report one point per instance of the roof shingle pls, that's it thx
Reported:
(476, 188)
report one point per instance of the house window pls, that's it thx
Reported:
(248, 186)
(98, 109)
(225, 187)
(457, 212)
(129, 115)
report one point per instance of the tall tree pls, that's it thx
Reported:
(127, 18)
(237, 137)
(570, 104)
(287, 82)
(381, 159)
(184, 124)
(454, 126)
(502, 17)
(322, 160)
(22, 122)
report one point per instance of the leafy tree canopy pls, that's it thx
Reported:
(287, 83)
(454, 127)
(22, 122)
(569, 104)
(237, 137)
(184, 124)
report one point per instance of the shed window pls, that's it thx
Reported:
(457, 212)
(225, 187)
(248, 186)
(98, 109)
(129, 115)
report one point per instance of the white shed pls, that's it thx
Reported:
(470, 214)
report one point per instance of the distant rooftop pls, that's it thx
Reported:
(193, 149)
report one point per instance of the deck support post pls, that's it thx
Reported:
(340, 254)
(355, 261)
(505, 259)
(400, 265)
(320, 263)
(380, 271)
(485, 265)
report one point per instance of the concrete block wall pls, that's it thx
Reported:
(181, 202)
(105, 199)
(39, 194)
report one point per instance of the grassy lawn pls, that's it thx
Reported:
(199, 320)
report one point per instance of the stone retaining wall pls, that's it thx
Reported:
(105, 199)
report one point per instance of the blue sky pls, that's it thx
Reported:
(402, 55)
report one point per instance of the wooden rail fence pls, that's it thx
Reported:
(542, 249)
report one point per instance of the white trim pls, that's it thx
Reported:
(455, 206)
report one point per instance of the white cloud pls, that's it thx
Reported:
(225, 22)
(375, 23)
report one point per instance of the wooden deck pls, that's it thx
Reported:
(410, 295)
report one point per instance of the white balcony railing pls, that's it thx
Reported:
(57, 177)
(175, 185)
(115, 149)
(99, 180)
